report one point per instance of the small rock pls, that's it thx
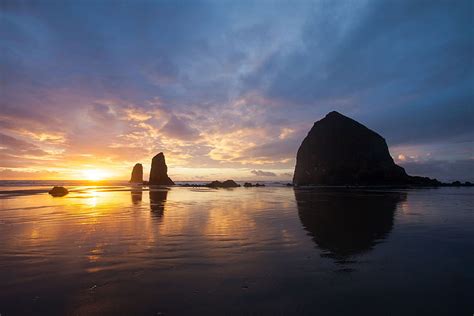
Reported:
(58, 191)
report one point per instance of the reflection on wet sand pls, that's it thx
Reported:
(347, 223)
(137, 193)
(158, 201)
(240, 251)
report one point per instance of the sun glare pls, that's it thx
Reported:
(94, 174)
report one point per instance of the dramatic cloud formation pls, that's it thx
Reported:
(230, 86)
(262, 173)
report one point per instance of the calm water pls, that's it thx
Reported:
(273, 250)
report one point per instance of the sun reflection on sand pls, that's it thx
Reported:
(91, 201)
(97, 213)
(95, 254)
(221, 222)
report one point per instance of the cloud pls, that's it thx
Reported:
(11, 174)
(397, 74)
(179, 128)
(277, 150)
(457, 170)
(136, 114)
(231, 84)
(13, 146)
(261, 173)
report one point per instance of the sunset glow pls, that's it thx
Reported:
(95, 174)
(237, 91)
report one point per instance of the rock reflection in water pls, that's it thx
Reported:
(345, 223)
(137, 194)
(157, 201)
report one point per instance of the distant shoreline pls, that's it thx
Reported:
(26, 192)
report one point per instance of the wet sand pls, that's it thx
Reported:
(273, 250)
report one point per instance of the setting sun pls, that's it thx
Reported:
(94, 174)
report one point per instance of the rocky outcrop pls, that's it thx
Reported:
(137, 174)
(225, 184)
(159, 171)
(340, 151)
(58, 191)
(250, 185)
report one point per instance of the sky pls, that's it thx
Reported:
(229, 89)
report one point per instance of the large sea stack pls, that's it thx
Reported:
(159, 171)
(341, 151)
(137, 174)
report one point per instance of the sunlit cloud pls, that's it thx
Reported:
(179, 128)
(286, 132)
(262, 173)
(134, 114)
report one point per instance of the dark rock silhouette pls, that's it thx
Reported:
(340, 151)
(346, 223)
(458, 184)
(423, 181)
(250, 185)
(225, 184)
(137, 174)
(159, 171)
(58, 191)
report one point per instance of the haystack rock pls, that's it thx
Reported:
(340, 151)
(159, 171)
(137, 174)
